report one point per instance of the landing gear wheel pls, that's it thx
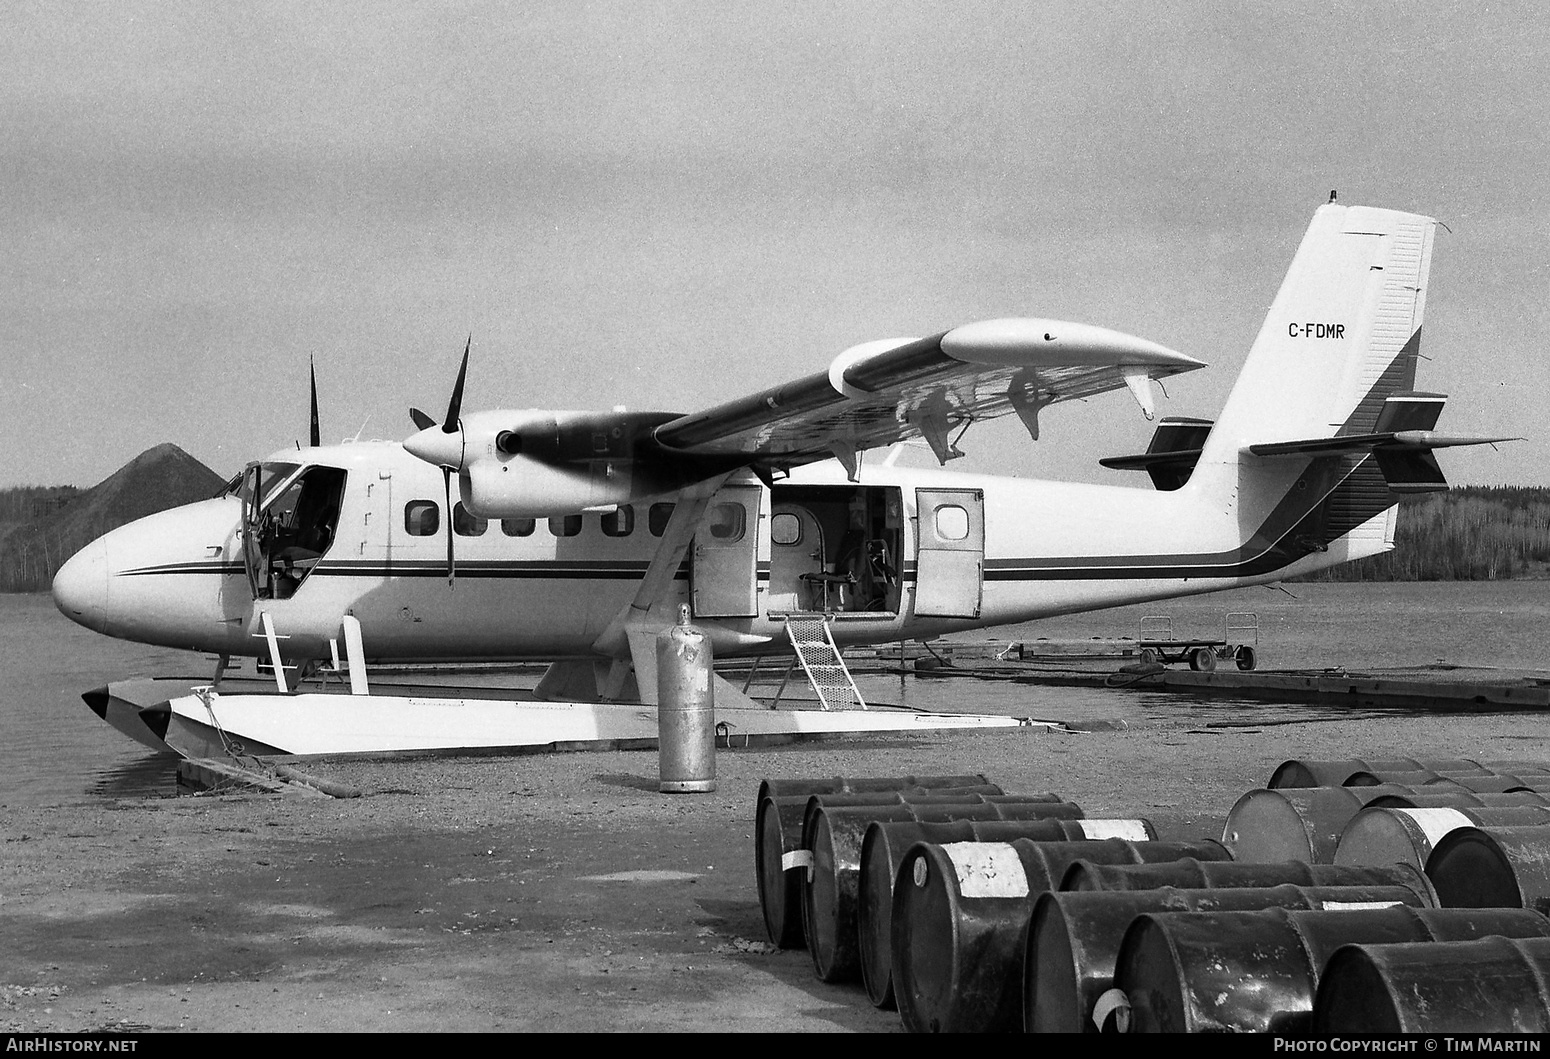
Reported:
(1202, 660)
(1247, 657)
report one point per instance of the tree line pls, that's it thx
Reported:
(34, 544)
(1468, 533)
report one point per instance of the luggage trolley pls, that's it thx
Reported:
(1239, 642)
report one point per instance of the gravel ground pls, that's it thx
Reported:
(555, 892)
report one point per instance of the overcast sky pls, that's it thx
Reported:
(666, 205)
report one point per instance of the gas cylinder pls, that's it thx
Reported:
(686, 714)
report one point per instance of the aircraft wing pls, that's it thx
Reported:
(884, 392)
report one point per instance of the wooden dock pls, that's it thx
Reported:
(1114, 664)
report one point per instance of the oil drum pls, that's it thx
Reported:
(884, 847)
(778, 819)
(1074, 939)
(1492, 867)
(1256, 972)
(960, 916)
(1490, 985)
(1312, 773)
(832, 837)
(1392, 836)
(1292, 823)
(1194, 874)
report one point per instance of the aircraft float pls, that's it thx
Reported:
(575, 536)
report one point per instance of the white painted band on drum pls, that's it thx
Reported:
(987, 869)
(797, 858)
(1130, 830)
(1435, 823)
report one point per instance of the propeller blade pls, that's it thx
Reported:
(455, 408)
(317, 434)
(446, 478)
(421, 420)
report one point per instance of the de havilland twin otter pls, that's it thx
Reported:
(575, 537)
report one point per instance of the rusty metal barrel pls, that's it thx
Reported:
(883, 849)
(1406, 836)
(960, 915)
(832, 837)
(1257, 972)
(1490, 985)
(1495, 783)
(1315, 773)
(1484, 782)
(1074, 939)
(1206, 875)
(1425, 798)
(1492, 867)
(862, 784)
(1292, 823)
(778, 817)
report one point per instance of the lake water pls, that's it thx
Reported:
(56, 750)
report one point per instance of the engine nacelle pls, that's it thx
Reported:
(539, 464)
(521, 487)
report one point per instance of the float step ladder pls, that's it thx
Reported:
(826, 670)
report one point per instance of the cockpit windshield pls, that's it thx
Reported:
(269, 475)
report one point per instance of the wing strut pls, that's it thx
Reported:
(631, 637)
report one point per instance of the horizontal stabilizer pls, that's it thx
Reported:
(1404, 456)
(1390, 441)
(1402, 440)
(1172, 455)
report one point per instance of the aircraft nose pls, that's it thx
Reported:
(81, 586)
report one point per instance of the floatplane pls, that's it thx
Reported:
(575, 537)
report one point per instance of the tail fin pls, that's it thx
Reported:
(1341, 337)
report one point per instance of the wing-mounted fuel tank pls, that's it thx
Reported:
(1171, 457)
(539, 463)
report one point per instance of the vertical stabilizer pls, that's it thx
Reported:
(1342, 335)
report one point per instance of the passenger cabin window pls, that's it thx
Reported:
(518, 527)
(565, 525)
(657, 518)
(619, 522)
(727, 522)
(952, 522)
(466, 525)
(422, 518)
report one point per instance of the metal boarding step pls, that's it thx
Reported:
(820, 658)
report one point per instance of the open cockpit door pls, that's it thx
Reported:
(950, 559)
(289, 518)
(252, 547)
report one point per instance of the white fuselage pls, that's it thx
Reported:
(951, 552)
